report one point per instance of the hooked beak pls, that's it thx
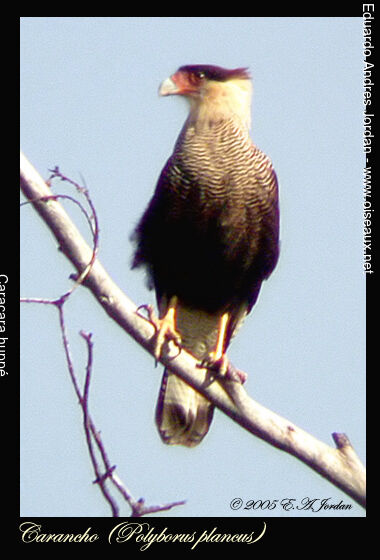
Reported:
(168, 87)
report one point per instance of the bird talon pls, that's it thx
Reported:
(165, 332)
(165, 328)
(213, 363)
(152, 317)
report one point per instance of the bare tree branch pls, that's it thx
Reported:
(341, 466)
(138, 507)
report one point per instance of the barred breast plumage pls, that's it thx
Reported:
(215, 208)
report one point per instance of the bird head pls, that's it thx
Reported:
(214, 93)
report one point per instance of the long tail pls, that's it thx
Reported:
(183, 415)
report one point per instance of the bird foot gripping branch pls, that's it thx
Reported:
(166, 331)
(165, 328)
(214, 362)
(217, 359)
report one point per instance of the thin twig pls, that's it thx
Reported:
(138, 507)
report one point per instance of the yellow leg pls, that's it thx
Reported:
(218, 353)
(166, 328)
(217, 359)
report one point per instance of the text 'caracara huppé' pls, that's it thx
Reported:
(208, 237)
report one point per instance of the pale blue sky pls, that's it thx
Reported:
(89, 104)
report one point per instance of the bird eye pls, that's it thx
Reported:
(200, 75)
